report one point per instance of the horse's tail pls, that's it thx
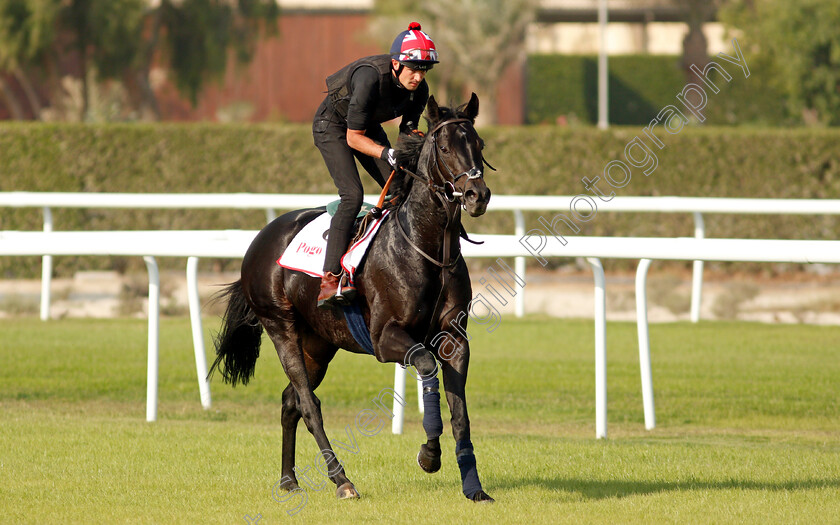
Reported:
(238, 342)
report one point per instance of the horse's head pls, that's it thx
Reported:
(457, 161)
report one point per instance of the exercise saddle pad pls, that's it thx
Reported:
(308, 249)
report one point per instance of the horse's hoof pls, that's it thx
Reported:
(482, 497)
(347, 491)
(428, 459)
(290, 485)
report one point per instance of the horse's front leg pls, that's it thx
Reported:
(427, 368)
(454, 352)
(396, 345)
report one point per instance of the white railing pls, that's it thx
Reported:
(697, 206)
(233, 244)
(149, 245)
(514, 203)
(646, 250)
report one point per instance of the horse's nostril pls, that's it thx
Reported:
(471, 195)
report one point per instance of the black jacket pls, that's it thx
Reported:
(366, 93)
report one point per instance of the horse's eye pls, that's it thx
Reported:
(444, 149)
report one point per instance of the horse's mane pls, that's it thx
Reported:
(409, 146)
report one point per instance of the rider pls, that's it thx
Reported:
(347, 125)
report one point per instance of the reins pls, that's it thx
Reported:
(447, 195)
(447, 241)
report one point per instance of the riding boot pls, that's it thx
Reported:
(330, 295)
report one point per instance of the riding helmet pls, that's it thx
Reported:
(413, 48)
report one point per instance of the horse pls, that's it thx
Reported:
(412, 284)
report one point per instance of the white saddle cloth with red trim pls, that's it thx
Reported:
(308, 249)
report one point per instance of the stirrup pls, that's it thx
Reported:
(344, 299)
(327, 295)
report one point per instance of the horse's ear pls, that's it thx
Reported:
(432, 109)
(472, 107)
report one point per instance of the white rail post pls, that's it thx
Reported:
(603, 71)
(154, 321)
(697, 273)
(644, 343)
(270, 215)
(519, 263)
(399, 388)
(420, 394)
(197, 332)
(46, 270)
(600, 348)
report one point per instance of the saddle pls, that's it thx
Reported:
(332, 207)
(306, 251)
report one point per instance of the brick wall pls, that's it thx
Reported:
(285, 81)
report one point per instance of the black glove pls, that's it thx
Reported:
(389, 155)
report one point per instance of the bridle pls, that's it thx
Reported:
(474, 172)
(445, 193)
(447, 187)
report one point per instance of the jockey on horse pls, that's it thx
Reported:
(347, 126)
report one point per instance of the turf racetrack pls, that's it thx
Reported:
(748, 430)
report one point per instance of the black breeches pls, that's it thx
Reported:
(330, 136)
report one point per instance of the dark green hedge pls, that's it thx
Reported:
(150, 158)
(640, 86)
(542, 160)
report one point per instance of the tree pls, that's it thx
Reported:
(121, 39)
(26, 36)
(477, 40)
(800, 42)
(695, 44)
(191, 37)
(199, 34)
(107, 35)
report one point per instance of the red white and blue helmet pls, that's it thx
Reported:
(414, 48)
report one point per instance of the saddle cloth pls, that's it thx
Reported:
(308, 249)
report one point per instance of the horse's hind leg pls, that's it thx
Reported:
(289, 420)
(291, 416)
(305, 373)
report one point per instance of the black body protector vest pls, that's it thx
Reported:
(339, 89)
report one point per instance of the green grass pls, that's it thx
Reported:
(748, 430)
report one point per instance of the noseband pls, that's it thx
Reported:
(445, 193)
(448, 187)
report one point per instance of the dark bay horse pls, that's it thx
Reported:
(414, 291)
